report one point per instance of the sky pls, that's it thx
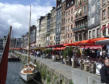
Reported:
(16, 13)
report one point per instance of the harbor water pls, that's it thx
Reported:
(13, 76)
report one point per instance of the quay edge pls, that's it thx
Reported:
(57, 73)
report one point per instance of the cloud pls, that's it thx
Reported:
(17, 15)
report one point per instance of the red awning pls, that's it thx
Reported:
(92, 47)
(59, 48)
(84, 42)
(69, 44)
(89, 42)
(52, 46)
(92, 41)
(15, 49)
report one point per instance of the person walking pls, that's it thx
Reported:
(104, 72)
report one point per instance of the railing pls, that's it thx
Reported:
(84, 27)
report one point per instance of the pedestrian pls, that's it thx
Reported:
(104, 72)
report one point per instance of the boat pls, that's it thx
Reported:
(29, 70)
(12, 58)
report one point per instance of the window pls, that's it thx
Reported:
(66, 13)
(108, 12)
(104, 30)
(98, 32)
(68, 20)
(72, 19)
(72, 2)
(72, 10)
(80, 2)
(85, 35)
(71, 34)
(104, 14)
(76, 37)
(103, 2)
(93, 34)
(69, 12)
(85, 9)
(89, 34)
(80, 37)
(68, 35)
(71, 26)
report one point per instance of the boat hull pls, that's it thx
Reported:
(27, 77)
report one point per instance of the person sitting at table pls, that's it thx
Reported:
(104, 72)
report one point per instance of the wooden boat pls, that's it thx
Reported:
(28, 72)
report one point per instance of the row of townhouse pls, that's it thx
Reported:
(73, 20)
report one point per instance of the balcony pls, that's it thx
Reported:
(84, 27)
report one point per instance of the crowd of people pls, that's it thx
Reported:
(97, 59)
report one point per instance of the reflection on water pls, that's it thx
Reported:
(13, 74)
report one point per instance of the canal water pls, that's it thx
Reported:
(13, 74)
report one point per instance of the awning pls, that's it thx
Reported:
(50, 46)
(53, 46)
(103, 42)
(79, 43)
(59, 48)
(69, 44)
(40, 48)
(15, 49)
(90, 42)
(92, 47)
(93, 41)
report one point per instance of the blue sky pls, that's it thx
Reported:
(15, 13)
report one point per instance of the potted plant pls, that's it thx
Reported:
(67, 54)
(48, 52)
(64, 54)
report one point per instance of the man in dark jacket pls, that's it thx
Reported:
(105, 72)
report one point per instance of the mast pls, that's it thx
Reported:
(29, 34)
